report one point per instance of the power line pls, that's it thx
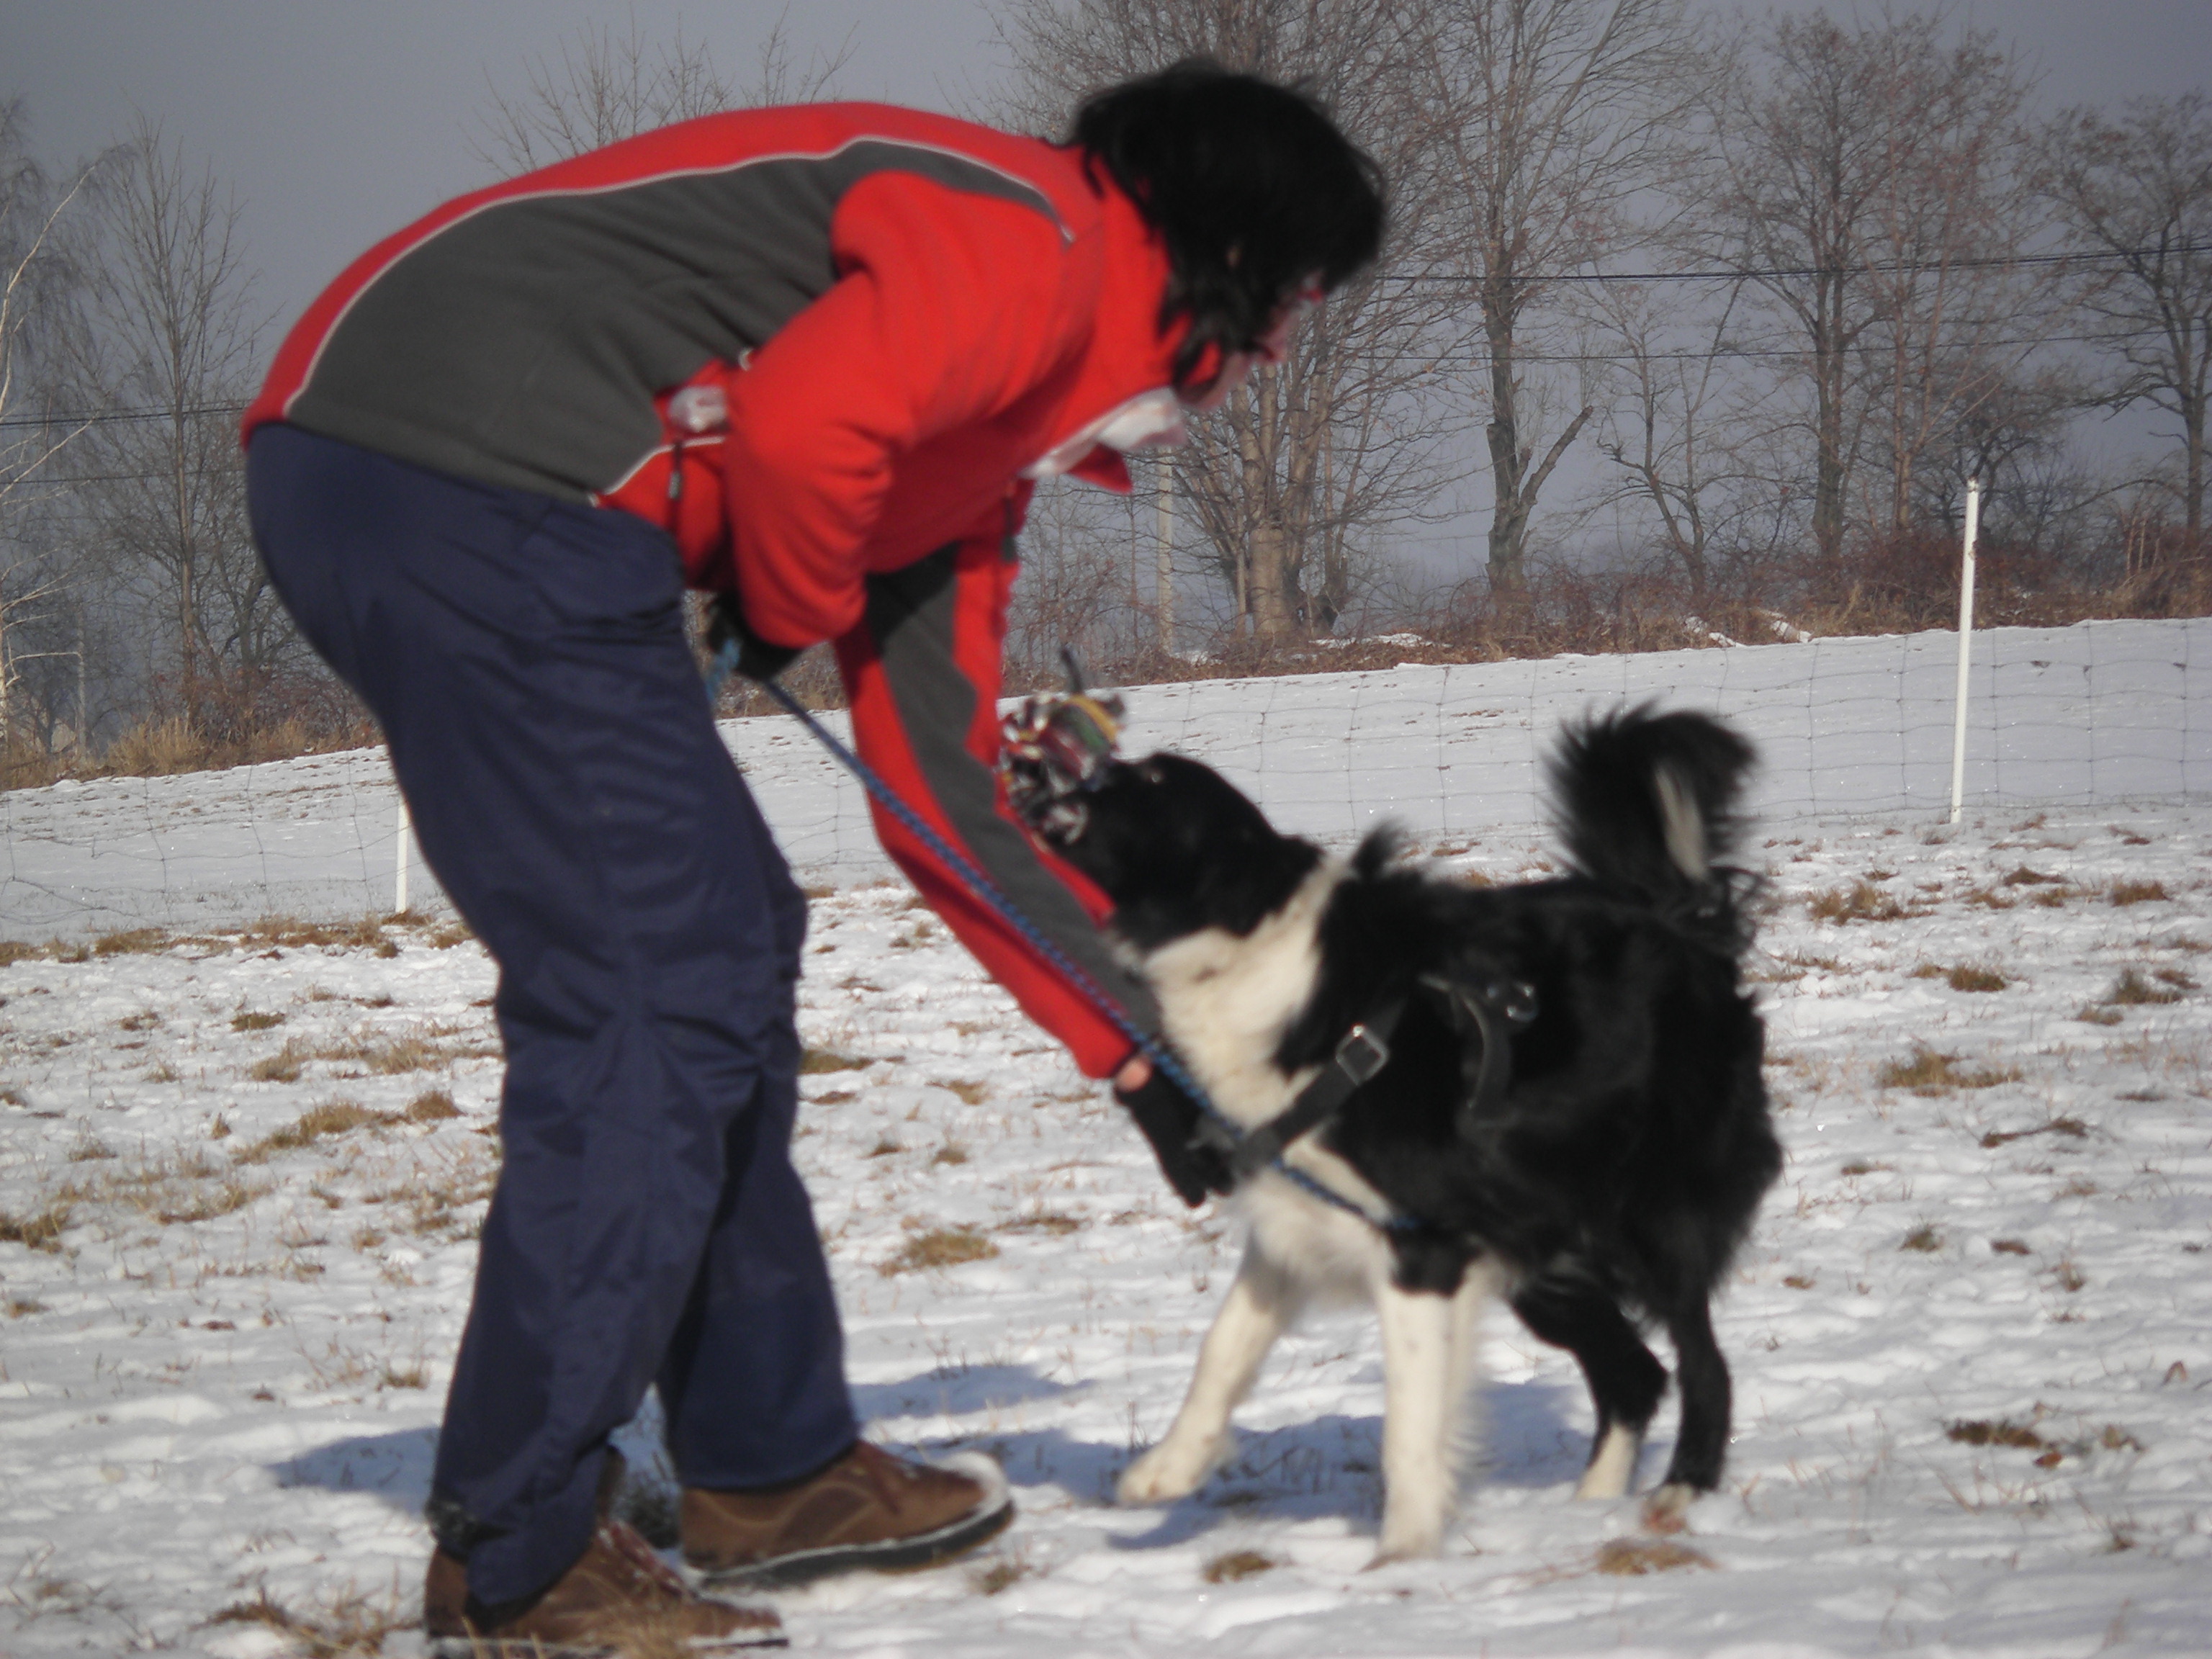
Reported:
(111, 416)
(1903, 267)
(1767, 352)
(108, 417)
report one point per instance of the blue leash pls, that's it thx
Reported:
(981, 885)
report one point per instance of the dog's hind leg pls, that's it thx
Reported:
(1701, 1446)
(1429, 1346)
(1260, 1307)
(1625, 1381)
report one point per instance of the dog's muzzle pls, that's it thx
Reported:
(1052, 751)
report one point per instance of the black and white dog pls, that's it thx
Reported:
(1571, 1113)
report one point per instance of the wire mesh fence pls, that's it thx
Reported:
(2102, 711)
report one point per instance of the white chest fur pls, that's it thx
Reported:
(1226, 1000)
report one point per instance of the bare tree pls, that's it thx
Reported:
(1550, 116)
(1291, 484)
(173, 350)
(1957, 310)
(605, 86)
(1689, 435)
(37, 284)
(2137, 190)
(1864, 183)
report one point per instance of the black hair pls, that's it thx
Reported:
(1251, 186)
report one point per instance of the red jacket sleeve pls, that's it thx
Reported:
(947, 310)
(921, 670)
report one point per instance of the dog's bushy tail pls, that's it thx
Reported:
(1648, 801)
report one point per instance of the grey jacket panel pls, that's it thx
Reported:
(524, 343)
(911, 618)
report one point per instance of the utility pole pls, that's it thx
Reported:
(1164, 570)
(1965, 648)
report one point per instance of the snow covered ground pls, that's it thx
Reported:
(240, 1173)
(2098, 711)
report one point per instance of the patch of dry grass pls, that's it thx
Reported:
(1925, 1239)
(1931, 1072)
(1043, 1221)
(180, 1190)
(431, 1106)
(335, 1117)
(1635, 1557)
(201, 1202)
(1002, 1574)
(941, 1247)
(443, 1202)
(40, 1230)
(2132, 989)
(1965, 977)
(1862, 901)
(132, 942)
(291, 934)
(243, 1021)
(384, 1055)
(1237, 1565)
(2070, 1127)
(348, 1624)
(815, 1061)
(1992, 1431)
(2138, 892)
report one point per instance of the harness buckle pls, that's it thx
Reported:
(1362, 1054)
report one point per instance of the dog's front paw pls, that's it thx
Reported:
(1170, 1470)
(1408, 1536)
(1667, 1510)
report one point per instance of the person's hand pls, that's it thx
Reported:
(757, 659)
(1170, 1119)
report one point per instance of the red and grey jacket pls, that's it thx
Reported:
(905, 313)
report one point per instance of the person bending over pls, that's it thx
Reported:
(813, 360)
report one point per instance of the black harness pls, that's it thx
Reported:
(1489, 1008)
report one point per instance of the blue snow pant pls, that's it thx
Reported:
(526, 659)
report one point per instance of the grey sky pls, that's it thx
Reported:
(339, 122)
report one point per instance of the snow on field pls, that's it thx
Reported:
(2100, 711)
(240, 1172)
(1972, 1334)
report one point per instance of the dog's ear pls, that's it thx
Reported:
(1179, 848)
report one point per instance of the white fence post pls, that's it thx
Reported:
(1965, 637)
(402, 836)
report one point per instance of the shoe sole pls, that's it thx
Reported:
(912, 1554)
(483, 1647)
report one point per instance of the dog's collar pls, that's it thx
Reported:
(1364, 1051)
(1492, 1006)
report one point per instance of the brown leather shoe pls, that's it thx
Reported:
(866, 1510)
(618, 1598)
